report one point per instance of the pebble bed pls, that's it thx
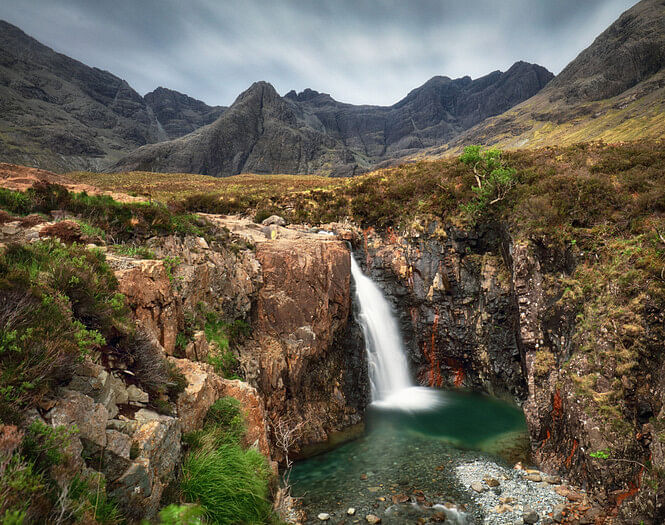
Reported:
(539, 496)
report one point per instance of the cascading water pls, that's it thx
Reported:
(389, 375)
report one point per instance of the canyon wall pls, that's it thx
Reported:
(488, 310)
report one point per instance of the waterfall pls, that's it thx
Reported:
(391, 383)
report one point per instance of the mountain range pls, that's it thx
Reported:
(59, 114)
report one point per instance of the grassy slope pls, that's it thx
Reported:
(635, 114)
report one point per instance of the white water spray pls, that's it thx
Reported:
(389, 376)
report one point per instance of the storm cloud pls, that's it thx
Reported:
(362, 52)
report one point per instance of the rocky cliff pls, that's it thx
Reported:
(612, 91)
(302, 360)
(179, 114)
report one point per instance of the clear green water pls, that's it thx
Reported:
(410, 454)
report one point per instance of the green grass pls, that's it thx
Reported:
(133, 250)
(223, 335)
(230, 483)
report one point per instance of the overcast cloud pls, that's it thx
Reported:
(362, 52)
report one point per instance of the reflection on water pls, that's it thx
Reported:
(406, 452)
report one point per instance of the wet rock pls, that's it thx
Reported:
(351, 511)
(536, 478)
(372, 519)
(529, 516)
(324, 516)
(400, 498)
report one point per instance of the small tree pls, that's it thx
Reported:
(494, 179)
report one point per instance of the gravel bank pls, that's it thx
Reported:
(506, 496)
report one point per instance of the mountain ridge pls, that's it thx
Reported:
(613, 91)
(319, 134)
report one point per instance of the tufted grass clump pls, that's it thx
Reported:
(230, 483)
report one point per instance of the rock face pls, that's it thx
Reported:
(453, 293)
(483, 309)
(631, 50)
(306, 356)
(59, 114)
(261, 132)
(310, 132)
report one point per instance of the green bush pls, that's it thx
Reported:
(223, 336)
(494, 179)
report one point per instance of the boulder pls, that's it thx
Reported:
(204, 387)
(274, 219)
(76, 409)
(158, 440)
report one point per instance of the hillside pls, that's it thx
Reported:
(59, 114)
(613, 91)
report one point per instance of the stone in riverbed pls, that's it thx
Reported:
(372, 519)
(324, 516)
(529, 516)
(553, 480)
(559, 512)
(351, 511)
(478, 487)
(533, 477)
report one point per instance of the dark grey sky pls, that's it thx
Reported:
(359, 51)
